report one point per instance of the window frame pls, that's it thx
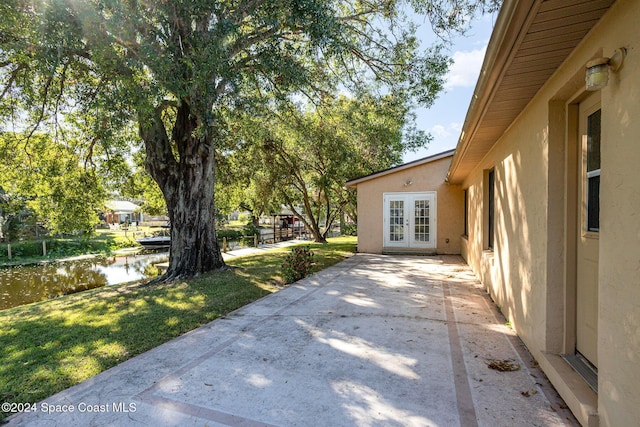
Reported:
(490, 209)
(466, 212)
(592, 214)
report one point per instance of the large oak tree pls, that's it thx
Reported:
(175, 68)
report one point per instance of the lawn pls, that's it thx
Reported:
(52, 345)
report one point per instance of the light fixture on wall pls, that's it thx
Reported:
(408, 183)
(597, 75)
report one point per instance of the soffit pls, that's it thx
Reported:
(531, 39)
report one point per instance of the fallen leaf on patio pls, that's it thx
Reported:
(503, 365)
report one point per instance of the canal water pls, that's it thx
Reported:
(27, 284)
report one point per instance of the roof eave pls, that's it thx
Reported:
(530, 42)
(354, 182)
(506, 32)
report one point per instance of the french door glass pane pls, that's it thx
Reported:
(421, 221)
(396, 220)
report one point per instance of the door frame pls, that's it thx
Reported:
(573, 222)
(409, 218)
(587, 240)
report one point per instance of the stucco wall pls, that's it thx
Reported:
(529, 272)
(619, 326)
(427, 177)
(514, 272)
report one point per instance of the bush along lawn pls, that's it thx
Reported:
(52, 345)
(32, 250)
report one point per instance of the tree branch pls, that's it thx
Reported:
(12, 78)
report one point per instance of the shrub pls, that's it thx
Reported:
(297, 264)
(249, 231)
(350, 229)
(229, 234)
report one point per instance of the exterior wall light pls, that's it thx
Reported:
(597, 75)
(408, 183)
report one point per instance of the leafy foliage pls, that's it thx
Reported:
(13, 215)
(230, 234)
(140, 185)
(452, 16)
(60, 248)
(302, 157)
(297, 264)
(250, 229)
(49, 177)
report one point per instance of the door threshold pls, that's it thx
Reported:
(584, 368)
(405, 251)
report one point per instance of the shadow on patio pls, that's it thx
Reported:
(374, 340)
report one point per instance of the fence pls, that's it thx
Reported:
(42, 252)
(266, 236)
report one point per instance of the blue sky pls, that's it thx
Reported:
(445, 118)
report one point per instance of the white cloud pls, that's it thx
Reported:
(440, 131)
(465, 69)
(455, 126)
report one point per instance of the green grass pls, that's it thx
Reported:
(52, 345)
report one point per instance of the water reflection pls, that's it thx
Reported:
(24, 285)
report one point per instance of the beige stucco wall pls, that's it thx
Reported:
(528, 274)
(427, 177)
(619, 327)
(515, 271)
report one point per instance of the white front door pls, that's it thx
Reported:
(410, 220)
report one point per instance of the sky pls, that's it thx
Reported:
(445, 118)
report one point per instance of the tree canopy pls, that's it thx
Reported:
(175, 69)
(50, 180)
(302, 157)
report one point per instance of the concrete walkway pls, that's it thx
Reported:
(247, 250)
(250, 250)
(372, 341)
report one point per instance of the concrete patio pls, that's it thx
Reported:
(373, 341)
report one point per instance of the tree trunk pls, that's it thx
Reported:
(318, 236)
(188, 188)
(194, 245)
(255, 220)
(312, 225)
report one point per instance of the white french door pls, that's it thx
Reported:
(410, 220)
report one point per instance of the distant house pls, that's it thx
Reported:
(410, 209)
(121, 212)
(551, 214)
